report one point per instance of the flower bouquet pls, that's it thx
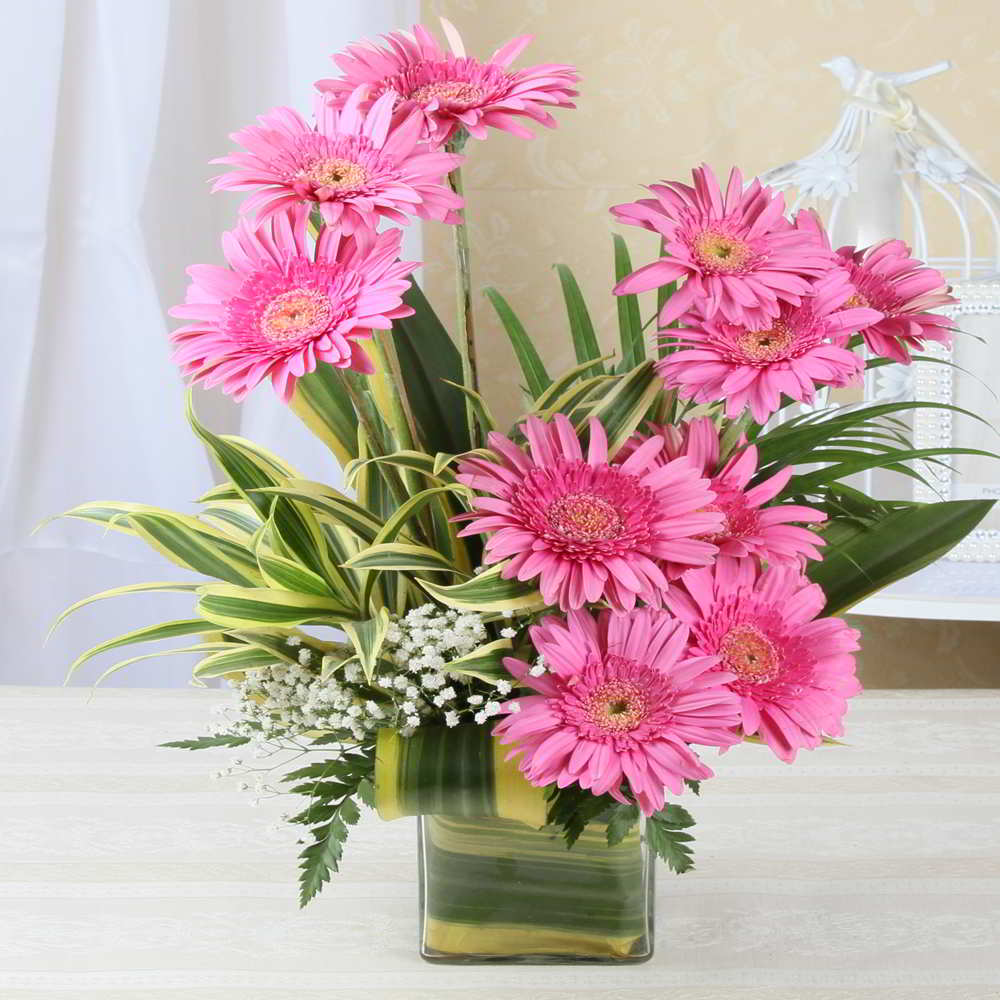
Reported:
(527, 637)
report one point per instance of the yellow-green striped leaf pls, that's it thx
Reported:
(232, 660)
(400, 556)
(367, 638)
(482, 412)
(486, 662)
(134, 588)
(561, 384)
(487, 592)
(150, 633)
(122, 664)
(415, 461)
(106, 512)
(623, 409)
(329, 502)
(321, 403)
(254, 607)
(194, 545)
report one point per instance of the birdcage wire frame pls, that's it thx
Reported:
(868, 182)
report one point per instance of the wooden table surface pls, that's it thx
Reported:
(127, 873)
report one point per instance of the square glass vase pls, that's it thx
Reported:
(496, 890)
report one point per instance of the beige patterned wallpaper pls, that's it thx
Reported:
(666, 86)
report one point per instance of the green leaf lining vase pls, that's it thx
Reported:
(497, 884)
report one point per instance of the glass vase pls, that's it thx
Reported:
(498, 890)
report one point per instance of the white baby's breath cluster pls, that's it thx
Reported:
(412, 685)
(420, 646)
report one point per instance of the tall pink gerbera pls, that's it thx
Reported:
(904, 290)
(358, 167)
(792, 671)
(742, 258)
(749, 528)
(279, 308)
(620, 702)
(587, 529)
(797, 352)
(454, 91)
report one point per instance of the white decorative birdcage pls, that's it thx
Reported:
(890, 169)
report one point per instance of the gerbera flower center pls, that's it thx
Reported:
(296, 313)
(453, 93)
(335, 172)
(766, 345)
(749, 654)
(584, 517)
(720, 252)
(616, 706)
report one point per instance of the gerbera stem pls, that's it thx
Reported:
(466, 330)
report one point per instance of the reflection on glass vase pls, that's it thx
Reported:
(497, 890)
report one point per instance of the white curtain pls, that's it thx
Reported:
(111, 110)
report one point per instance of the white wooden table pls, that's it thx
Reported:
(126, 873)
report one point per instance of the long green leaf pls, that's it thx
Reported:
(253, 469)
(398, 556)
(580, 325)
(134, 588)
(233, 660)
(367, 637)
(629, 320)
(249, 607)
(427, 358)
(194, 545)
(150, 633)
(323, 405)
(487, 592)
(861, 558)
(484, 662)
(329, 502)
(536, 378)
(623, 409)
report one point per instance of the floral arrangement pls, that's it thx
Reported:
(651, 562)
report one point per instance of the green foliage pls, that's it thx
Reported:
(536, 378)
(428, 360)
(864, 555)
(581, 327)
(667, 839)
(621, 822)
(572, 808)
(332, 787)
(208, 742)
(629, 321)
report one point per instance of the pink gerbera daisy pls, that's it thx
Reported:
(280, 307)
(587, 529)
(797, 352)
(742, 258)
(749, 528)
(454, 91)
(903, 290)
(792, 671)
(357, 166)
(620, 701)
